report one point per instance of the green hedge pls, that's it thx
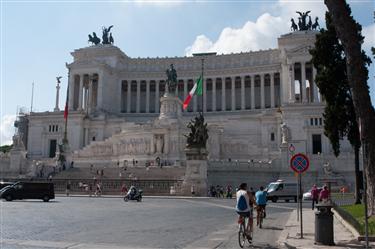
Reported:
(355, 215)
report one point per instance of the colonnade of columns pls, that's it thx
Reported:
(302, 87)
(256, 91)
(83, 92)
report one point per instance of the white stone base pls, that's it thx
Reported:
(195, 181)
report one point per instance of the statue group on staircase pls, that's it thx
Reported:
(198, 135)
(303, 24)
(107, 37)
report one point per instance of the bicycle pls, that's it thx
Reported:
(242, 236)
(261, 214)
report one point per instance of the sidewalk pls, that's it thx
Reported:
(290, 237)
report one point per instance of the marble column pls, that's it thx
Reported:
(138, 106)
(242, 93)
(223, 107)
(57, 109)
(272, 76)
(71, 83)
(185, 91)
(204, 95)
(195, 101)
(157, 98)
(252, 88)
(80, 97)
(292, 84)
(262, 97)
(128, 101)
(233, 81)
(315, 87)
(214, 94)
(90, 95)
(148, 96)
(99, 93)
(303, 79)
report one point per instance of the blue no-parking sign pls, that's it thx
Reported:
(299, 163)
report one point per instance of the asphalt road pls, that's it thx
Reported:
(82, 223)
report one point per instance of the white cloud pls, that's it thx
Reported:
(261, 34)
(158, 2)
(7, 129)
(369, 33)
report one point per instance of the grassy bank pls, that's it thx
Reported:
(357, 212)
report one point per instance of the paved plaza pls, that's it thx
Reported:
(110, 223)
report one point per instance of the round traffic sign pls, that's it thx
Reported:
(299, 163)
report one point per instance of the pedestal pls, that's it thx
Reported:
(195, 181)
(170, 107)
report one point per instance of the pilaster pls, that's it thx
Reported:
(272, 76)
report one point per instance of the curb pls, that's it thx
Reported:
(285, 234)
(351, 228)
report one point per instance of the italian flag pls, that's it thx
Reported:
(197, 88)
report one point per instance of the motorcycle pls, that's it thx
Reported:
(133, 194)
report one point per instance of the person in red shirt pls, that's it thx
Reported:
(324, 194)
(314, 196)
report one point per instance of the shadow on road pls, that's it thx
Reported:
(272, 228)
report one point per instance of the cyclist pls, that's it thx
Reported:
(243, 207)
(261, 201)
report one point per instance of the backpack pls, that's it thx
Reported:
(242, 203)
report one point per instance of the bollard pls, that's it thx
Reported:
(324, 225)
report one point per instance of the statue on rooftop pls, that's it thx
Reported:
(303, 16)
(105, 37)
(294, 26)
(171, 82)
(94, 39)
(316, 24)
(304, 23)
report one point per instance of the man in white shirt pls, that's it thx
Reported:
(244, 205)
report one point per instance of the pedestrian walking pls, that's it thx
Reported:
(68, 185)
(229, 191)
(314, 196)
(124, 190)
(324, 194)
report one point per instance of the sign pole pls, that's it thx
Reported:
(300, 201)
(299, 163)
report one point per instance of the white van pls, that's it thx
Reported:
(281, 190)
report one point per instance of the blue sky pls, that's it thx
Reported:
(38, 36)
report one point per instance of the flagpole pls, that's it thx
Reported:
(203, 54)
(202, 85)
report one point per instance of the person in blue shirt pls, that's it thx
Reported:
(261, 201)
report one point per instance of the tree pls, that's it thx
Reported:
(349, 33)
(339, 115)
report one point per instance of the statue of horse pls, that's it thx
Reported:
(94, 39)
(309, 24)
(294, 26)
(316, 24)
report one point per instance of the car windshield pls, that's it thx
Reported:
(273, 186)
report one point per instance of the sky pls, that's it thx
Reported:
(38, 36)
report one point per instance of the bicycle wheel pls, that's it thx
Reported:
(261, 219)
(241, 235)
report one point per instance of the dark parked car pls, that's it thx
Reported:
(4, 184)
(28, 190)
